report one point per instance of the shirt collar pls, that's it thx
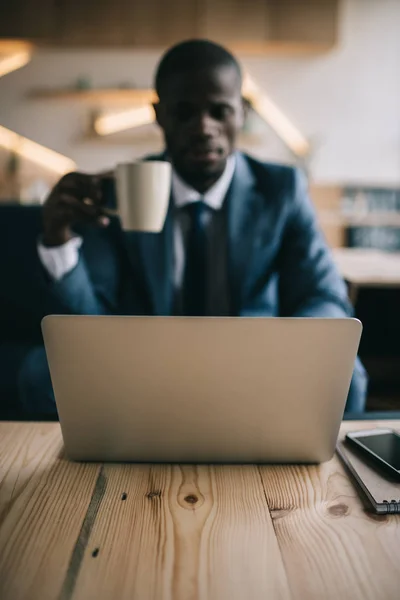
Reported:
(183, 194)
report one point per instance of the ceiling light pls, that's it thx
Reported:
(35, 152)
(111, 123)
(262, 104)
(14, 61)
(275, 118)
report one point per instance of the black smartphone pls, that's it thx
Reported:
(380, 445)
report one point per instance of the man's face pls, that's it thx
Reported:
(200, 114)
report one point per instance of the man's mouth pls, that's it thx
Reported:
(205, 154)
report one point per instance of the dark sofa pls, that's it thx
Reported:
(25, 297)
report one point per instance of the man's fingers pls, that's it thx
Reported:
(80, 206)
(103, 221)
(81, 211)
(81, 186)
(85, 210)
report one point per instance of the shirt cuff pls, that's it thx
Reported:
(60, 260)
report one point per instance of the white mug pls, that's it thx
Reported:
(143, 192)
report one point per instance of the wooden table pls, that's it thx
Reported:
(119, 532)
(362, 267)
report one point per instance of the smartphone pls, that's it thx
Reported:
(380, 445)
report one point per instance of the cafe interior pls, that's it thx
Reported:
(76, 93)
(322, 89)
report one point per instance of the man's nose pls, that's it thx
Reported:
(204, 124)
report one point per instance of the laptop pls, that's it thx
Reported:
(200, 390)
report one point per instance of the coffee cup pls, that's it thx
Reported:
(143, 192)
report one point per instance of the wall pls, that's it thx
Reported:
(347, 101)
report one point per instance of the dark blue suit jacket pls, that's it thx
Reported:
(279, 263)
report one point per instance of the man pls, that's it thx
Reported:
(240, 237)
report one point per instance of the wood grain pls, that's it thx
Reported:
(72, 531)
(99, 97)
(25, 452)
(368, 267)
(183, 533)
(331, 547)
(281, 26)
(44, 499)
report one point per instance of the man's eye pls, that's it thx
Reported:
(184, 113)
(220, 112)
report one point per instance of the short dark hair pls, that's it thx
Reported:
(193, 55)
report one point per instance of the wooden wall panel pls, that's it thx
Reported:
(234, 21)
(310, 21)
(30, 19)
(253, 25)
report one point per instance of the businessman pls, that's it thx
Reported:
(240, 236)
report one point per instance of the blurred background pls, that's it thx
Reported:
(322, 77)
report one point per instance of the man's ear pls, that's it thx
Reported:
(159, 112)
(246, 106)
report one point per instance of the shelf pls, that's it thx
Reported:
(149, 134)
(128, 96)
(371, 219)
(368, 267)
(11, 46)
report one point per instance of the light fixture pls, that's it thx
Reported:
(14, 61)
(111, 123)
(262, 104)
(35, 152)
(14, 54)
(279, 122)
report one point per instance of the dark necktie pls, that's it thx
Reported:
(195, 280)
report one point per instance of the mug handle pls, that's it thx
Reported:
(109, 194)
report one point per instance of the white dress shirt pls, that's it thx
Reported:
(60, 260)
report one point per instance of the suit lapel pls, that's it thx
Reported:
(244, 203)
(151, 255)
(156, 253)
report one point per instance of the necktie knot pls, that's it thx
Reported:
(196, 211)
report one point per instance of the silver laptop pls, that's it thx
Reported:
(177, 389)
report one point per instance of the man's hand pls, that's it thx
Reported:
(76, 198)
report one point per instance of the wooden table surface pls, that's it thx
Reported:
(367, 267)
(92, 531)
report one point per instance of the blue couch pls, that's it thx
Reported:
(25, 294)
(25, 297)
